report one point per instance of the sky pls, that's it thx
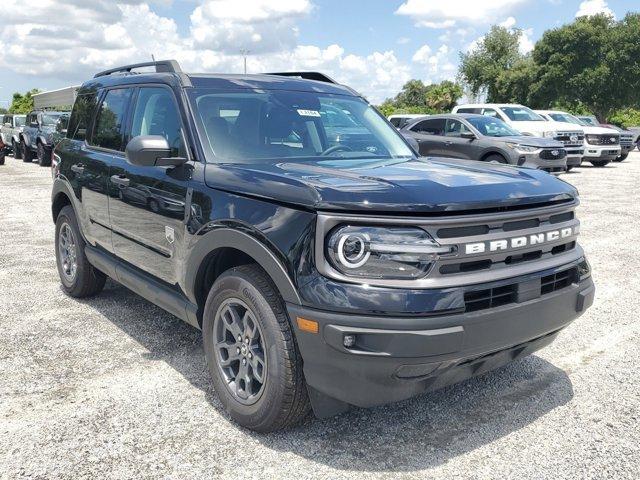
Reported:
(374, 46)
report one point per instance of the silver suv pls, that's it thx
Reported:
(12, 126)
(480, 137)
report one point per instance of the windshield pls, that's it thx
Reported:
(50, 118)
(252, 126)
(522, 114)
(567, 118)
(492, 127)
(20, 121)
(589, 121)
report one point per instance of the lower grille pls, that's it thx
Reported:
(504, 295)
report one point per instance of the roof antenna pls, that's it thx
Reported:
(153, 58)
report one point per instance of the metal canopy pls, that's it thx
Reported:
(62, 98)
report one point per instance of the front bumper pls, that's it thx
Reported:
(574, 159)
(600, 152)
(395, 358)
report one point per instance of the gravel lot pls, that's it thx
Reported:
(114, 387)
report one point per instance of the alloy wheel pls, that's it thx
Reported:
(240, 351)
(67, 247)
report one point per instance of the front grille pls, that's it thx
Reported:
(553, 154)
(504, 295)
(626, 140)
(612, 139)
(490, 298)
(570, 139)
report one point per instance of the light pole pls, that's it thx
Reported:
(244, 53)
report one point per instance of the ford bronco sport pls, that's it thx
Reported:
(327, 266)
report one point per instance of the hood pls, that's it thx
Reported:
(531, 141)
(538, 128)
(600, 131)
(423, 185)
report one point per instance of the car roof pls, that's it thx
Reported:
(218, 82)
(485, 105)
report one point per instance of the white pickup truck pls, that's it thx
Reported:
(602, 145)
(527, 122)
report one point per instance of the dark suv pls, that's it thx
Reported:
(325, 270)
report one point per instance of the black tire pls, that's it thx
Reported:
(570, 167)
(2, 155)
(86, 281)
(282, 400)
(600, 163)
(622, 157)
(44, 155)
(17, 150)
(496, 158)
(27, 154)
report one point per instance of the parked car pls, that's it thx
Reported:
(322, 274)
(399, 120)
(526, 121)
(489, 139)
(602, 145)
(38, 136)
(12, 126)
(629, 137)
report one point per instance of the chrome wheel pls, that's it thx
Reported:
(239, 351)
(67, 248)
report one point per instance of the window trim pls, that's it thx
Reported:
(430, 120)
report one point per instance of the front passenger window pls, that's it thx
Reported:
(455, 128)
(156, 114)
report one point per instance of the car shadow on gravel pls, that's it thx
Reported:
(416, 434)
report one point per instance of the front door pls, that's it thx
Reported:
(147, 206)
(455, 145)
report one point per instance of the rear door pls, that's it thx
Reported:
(147, 208)
(104, 146)
(429, 134)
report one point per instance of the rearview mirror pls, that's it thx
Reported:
(468, 135)
(151, 151)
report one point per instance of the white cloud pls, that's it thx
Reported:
(526, 42)
(436, 66)
(593, 7)
(403, 40)
(508, 23)
(432, 14)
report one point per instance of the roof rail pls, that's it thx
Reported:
(320, 77)
(162, 66)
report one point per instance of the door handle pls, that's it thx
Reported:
(120, 180)
(77, 168)
(447, 143)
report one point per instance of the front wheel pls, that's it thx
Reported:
(622, 157)
(44, 155)
(78, 277)
(495, 158)
(251, 351)
(17, 150)
(27, 154)
(600, 163)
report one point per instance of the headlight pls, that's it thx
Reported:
(523, 148)
(381, 252)
(592, 139)
(550, 134)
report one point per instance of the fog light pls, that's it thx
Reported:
(349, 341)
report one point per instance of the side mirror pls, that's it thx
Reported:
(151, 151)
(468, 135)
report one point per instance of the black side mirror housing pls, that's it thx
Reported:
(151, 151)
(468, 135)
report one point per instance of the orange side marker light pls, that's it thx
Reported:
(307, 325)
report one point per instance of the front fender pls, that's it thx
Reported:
(230, 238)
(43, 140)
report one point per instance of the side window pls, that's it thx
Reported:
(490, 112)
(156, 113)
(435, 126)
(455, 128)
(396, 121)
(107, 132)
(83, 110)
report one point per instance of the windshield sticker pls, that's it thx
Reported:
(308, 113)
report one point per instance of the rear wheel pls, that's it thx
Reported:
(17, 150)
(78, 277)
(44, 155)
(27, 154)
(600, 163)
(251, 351)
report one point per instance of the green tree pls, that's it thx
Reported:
(3, 110)
(496, 53)
(591, 62)
(443, 96)
(514, 85)
(412, 94)
(629, 117)
(22, 103)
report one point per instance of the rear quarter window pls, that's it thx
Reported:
(83, 111)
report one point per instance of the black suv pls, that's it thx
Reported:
(325, 263)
